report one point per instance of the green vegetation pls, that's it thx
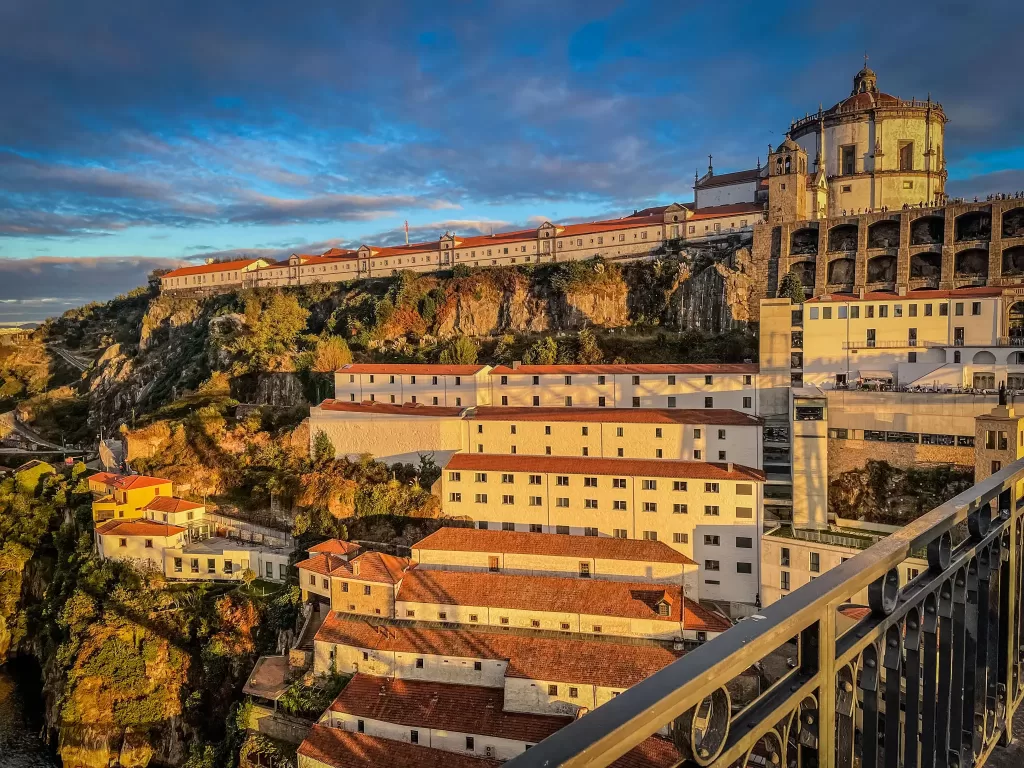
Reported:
(312, 700)
(791, 288)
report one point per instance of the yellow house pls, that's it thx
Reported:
(124, 496)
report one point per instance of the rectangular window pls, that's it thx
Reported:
(712, 540)
(709, 402)
(958, 309)
(562, 480)
(562, 501)
(455, 497)
(618, 431)
(636, 402)
(814, 562)
(826, 313)
(508, 499)
(481, 498)
(744, 568)
(854, 313)
(492, 564)
(943, 310)
(678, 485)
(650, 485)
(710, 487)
(975, 307)
(535, 501)
(618, 482)
(711, 510)
(650, 535)
(671, 402)
(590, 503)
(848, 159)
(619, 533)
(480, 477)
(712, 565)
(744, 542)
(650, 506)
(590, 482)
(744, 512)
(619, 505)
(679, 509)
(507, 479)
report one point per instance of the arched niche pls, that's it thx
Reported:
(927, 230)
(971, 264)
(973, 225)
(843, 237)
(804, 242)
(1013, 261)
(884, 234)
(926, 265)
(841, 271)
(1013, 222)
(882, 269)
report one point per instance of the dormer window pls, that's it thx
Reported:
(664, 608)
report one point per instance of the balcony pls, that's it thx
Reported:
(869, 344)
(928, 674)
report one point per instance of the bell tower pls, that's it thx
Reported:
(787, 183)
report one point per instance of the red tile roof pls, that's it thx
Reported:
(532, 657)
(975, 292)
(724, 179)
(223, 266)
(131, 482)
(461, 708)
(171, 504)
(713, 416)
(334, 547)
(575, 465)
(553, 594)
(137, 528)
(675, 368)
(732, 209)
(388, 409)
(369, 566)
(400, 369)
(550, 545)
(344, 749)
(103, 477)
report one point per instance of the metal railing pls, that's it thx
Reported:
(930, 677)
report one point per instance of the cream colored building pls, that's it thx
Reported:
(459, 386)
(404, 432)
(139, 541)
(211, 276)
(712, 513)
(627, 386)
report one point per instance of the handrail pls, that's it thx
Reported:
(964, 608)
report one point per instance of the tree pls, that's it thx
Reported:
(542, 352)
(248, 576)
(462, 350)
(505, 351)
(791, 288)
(323, 448)
(428, 471)
(270, 329)
(587, 350)
(330, 354)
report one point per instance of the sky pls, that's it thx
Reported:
(142, 135)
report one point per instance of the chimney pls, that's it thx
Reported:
(860, 293)
(730, 466)
(516, 364)
(901, 291)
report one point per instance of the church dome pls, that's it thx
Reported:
(788, 145)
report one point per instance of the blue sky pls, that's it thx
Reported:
(136, 135)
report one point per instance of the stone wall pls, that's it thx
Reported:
(846, 455)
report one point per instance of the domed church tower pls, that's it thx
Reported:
(874, 150)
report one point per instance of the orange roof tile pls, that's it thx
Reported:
(555, 594)
(530, 656)
(171, 504)
(369, 566)
(131, 482)
(138, 528)
(345, 749)
(334, 547)
(103, 477)
(448, 707)
(424, 370)
(550, 545)
(714, 416)
(675, 368)
(732, 209)
(223, 266)
(577, 465)
(388, 409)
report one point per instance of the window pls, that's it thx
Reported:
(650, 506)
(344, 586)
(943, 310)
(815, 562)
(535, 501)
(619, 505)
(552, 690)
(697, 455)
(744, 512)
(710, 487)
(600, 402)
(650, 485)
(122, 542)
(784, 557)
(360, 725)
(149, 543)
(414, 736)
(657, 432)
(709, 402)
(897, 310)
(477, 665)
(455, 476)
(573, 692)
(508, 499)
(492, 564)
(636, 402)
(744, 568)
(785, 581)
(672, 381)
(671, 402)
(848, 159)
(590, 482)
(507, 479)
(826, 313)
(618, 431)
(636, 381)
(562, 529)
(744, 542)
(568, 401)
(711, 540)
(712, 565)
(814, 313)
(562, 480)
(958, 309)
(590, 531)
(480, 477)
(679, 509)
(590, 503)
(975, 307)
(600, 380)
(618, 482)
(455, 497)
(711, 510)
(536, 400)
(562, 501)
(481, 498)
(482, 525)
(650, 535)
(366, 590)
(619, 533)
(906, 155)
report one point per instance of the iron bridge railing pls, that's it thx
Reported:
(928, 675)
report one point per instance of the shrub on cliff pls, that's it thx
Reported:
(461, 350)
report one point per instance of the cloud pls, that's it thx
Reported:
(262, 209)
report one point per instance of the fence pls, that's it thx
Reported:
(929, 674)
